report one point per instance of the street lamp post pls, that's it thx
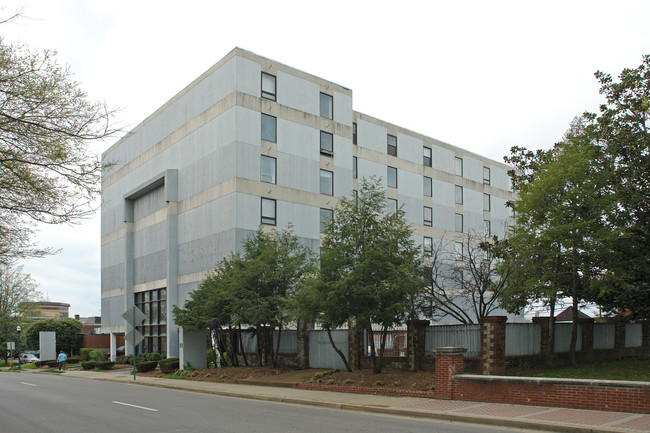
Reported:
(18, 329)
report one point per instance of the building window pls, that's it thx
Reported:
(267, 169)
(486, 175)
(153, 303)
(268, 211)
(325, 219)
(487, 228)
(354, 133)
(355, 173)
(459, 194)
(392, 145)
(458, 249)
(268, 86)
(458, 166)
(268, 127)
(355, 197)
(486, 203)
(426, 156)
(428, 246)
(428, 188)
(326, 182)
(326, 143)
(458, 278)
(459, 222)
(391, 206)
(326, 106)
(428, 216)
(392, 177)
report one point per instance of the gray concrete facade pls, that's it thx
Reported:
(185, 186)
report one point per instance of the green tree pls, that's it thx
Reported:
(621, 129)
(47, 172)
(369, 267)
(68, 334)
(253, 289)
(562, 231)
(17, 291)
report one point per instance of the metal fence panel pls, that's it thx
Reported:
(467, 336)
(633, 335)
(288, 341)
(321, 352)
(604, 335)
(249, 341)
(523, 339)
(563, 337)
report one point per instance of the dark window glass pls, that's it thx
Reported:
(268, 211)
(426, 156)
(459, 222)
(268, 86)
(392, 145)
(326, 106)
(355, 173)
(354, 133)
(326, 143)
(392, 177)
(428, 246)
(268, 127)
(427, 185)
(486, 175)
(326, 182)
(267, 169)
(428, 216)
(325, 217)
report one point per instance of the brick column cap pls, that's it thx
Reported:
(449, 350)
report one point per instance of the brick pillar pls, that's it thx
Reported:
(493, 345)
(415, 330)
(449, 361)
(545, 340)
(303, 344)
(587, 326)
(619, 338)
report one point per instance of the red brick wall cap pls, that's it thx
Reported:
(449, 350)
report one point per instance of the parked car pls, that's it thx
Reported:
(119, 351)
(27, 358)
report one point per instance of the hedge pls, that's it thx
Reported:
(88, 365)
(144, 366)
(104, 365)
(169, 365)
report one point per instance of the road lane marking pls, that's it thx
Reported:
(136, 406)
(25, 383)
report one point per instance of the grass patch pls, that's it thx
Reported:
(637, 370)
(174, 377)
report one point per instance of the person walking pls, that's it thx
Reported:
(62, 358)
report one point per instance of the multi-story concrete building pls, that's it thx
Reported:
(250, 142)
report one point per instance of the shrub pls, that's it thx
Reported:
(73, 360)
(98, 355)
(144, 366)
(52, 363)
(104, 365)
(169, 365)
(149, 357)
(124, 359)
(85, 353)
(88, 365)
(41, 363)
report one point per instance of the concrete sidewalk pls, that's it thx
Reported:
(496, 414)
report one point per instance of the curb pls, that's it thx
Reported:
(412, 413)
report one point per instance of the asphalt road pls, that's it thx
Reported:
(55, 404)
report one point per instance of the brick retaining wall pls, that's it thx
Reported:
(609, 395)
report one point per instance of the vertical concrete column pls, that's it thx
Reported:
(129, 299)
(587, 326)
(171, 197)
(415, 330)
(493, 345)
(619, 338)
(303, 344)
(113, 346)
(449, 361)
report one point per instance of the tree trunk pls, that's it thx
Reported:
(277, 347)
(376, 369)
(371, 342)
(241, 347)
(551, 334)
(337, 350)
(574, 332)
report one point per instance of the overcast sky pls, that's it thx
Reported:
(481, 75)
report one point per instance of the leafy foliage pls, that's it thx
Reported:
(47, 173)
(17, 290)
(68, 334)
(369, 268)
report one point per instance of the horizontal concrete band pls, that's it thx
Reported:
(554, 381)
